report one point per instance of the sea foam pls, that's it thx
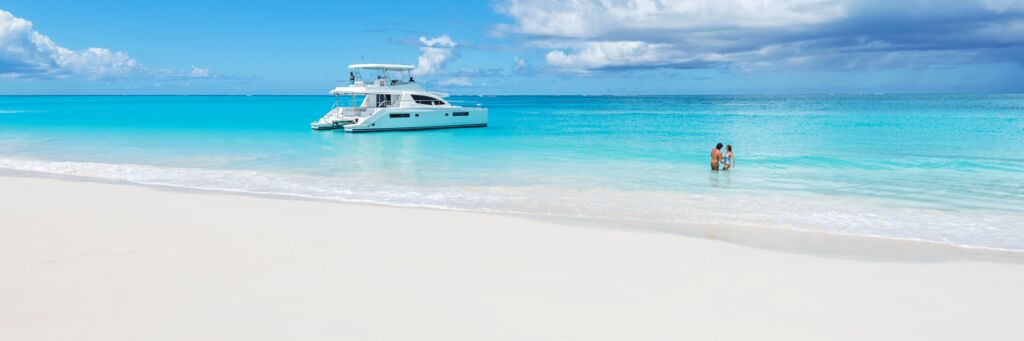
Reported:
(789, 211)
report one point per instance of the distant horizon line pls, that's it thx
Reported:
(530, 95)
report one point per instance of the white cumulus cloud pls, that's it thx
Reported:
(434, 53)
(198, 72)
(27, 53)
(518, 62)
(519, 66)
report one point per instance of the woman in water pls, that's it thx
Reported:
(727, 158)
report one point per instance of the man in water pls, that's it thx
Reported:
(716, 157)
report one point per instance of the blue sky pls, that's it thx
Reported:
(515, 46)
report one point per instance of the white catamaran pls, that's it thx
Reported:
(387, 103)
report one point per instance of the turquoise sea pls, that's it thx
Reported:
(939, 168)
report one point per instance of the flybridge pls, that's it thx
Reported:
(386, 74)
(394, 67)
(388, 79)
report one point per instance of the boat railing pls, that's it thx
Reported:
(382, 82)
(354, 111)
(340, 111)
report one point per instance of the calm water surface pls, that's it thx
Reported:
(941, 168)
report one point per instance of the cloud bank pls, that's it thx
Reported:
(26, 53)
(589, 35)
(455, 81)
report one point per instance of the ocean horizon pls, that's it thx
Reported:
(853, 93)
(939, 168)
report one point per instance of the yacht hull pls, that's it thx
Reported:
(369, 130)
(397, 119)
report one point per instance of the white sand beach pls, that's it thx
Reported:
(97, 261)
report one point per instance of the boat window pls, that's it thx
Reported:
(461, 113)
(420, 99)
(383, 101)
(399, 115)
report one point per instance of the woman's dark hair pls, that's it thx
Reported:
(719, 146)
(728, 147)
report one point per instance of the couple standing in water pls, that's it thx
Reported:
(718, 158)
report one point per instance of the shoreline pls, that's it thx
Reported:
(802, 242)
(100, 261)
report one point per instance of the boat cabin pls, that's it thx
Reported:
(386, 86)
